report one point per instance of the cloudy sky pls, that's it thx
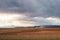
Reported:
(29, 12)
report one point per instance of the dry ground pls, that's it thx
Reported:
(30, 34)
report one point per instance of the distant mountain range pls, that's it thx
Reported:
(52, 26)
(39, 26)
(42, 26)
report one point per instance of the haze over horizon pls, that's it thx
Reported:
(29, 12)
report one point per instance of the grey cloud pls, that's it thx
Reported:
(43, 8)
(41, 21)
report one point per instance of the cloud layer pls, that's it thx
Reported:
(38, 12)
(44, 8)
(44, 21)
(12, 20)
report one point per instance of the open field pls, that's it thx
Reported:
(30, 34)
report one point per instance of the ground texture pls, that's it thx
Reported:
(30, 34)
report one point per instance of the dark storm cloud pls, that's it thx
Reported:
(43, 8)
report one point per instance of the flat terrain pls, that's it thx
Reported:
(30, 34)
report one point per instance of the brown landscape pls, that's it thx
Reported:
(30, 34)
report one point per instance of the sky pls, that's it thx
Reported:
(29, 12)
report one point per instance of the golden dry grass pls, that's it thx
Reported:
(30, 34)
